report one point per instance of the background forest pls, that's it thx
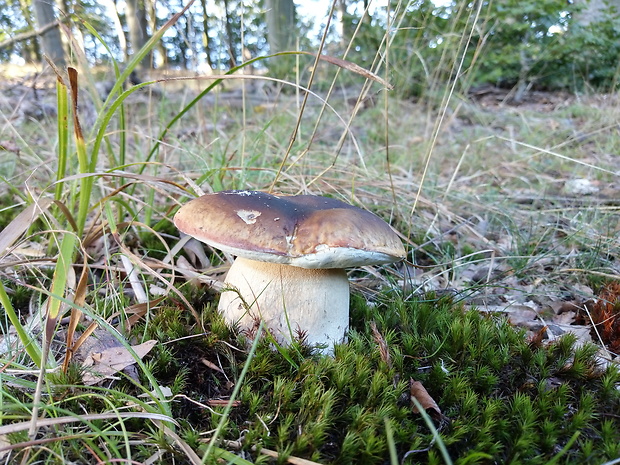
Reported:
(549, 44)
(485, 132)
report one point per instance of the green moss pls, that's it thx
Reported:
(502, 399)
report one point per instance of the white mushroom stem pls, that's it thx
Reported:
(288, 299)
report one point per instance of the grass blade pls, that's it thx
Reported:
(234, 394)
(30, 345)
(391, 444)
(63, 134)
(436, 435)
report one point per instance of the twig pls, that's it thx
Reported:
(27, 35)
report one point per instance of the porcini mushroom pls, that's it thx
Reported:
(291, 254)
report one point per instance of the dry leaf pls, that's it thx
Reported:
(165, 391)
(106, 357)
(22, 222)
(521, 315)
(535, 341)
(137, 311)
(196, 252)
(581, 186)
(9, 341)
(290, 459)
(419, 392)
(30, 249)
(211, 365)
(565, 306)
(76, 315)
(605, 315)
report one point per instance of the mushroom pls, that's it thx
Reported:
(291, 254)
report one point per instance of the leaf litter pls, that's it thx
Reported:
(103, 356)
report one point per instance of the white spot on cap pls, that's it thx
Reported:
(242, 193)
(249, 216)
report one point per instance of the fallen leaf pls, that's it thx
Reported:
(22, 222)
(196, 252)
(290, 459)
(605, 315)
(565, 318)
(419, 392)
(165, 391)
(521, 315)
(535, 340)
(30, 249)
(560, 307)
(211, 365)
(581, 187)
(9, 341)
(106, 356)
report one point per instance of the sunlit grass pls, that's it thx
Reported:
(106, 254)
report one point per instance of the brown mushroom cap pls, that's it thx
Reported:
(301, 230)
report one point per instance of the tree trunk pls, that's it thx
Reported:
(281, 25)
(51, 43)
(182, 45)
(137, 24)
(232, 59)
(32, 49)
(161, 57)
(281, 36)
(341, 23)
(190, 34)
(206, 42)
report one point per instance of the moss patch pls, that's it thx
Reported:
(503, 400)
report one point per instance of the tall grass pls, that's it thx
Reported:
(470, 187)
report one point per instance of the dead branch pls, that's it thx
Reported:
(27, 35)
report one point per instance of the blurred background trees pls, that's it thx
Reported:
(519, 44)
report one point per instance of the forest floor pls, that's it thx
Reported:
(509, 210)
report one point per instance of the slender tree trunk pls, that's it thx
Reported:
(281, 25)
(31, 51)
(232, 60)
(206, 42)
(182, 45)
(160, 58)
(51, 44)
(281, 36)
(341, 24)
(137, 24)
(190, 34)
